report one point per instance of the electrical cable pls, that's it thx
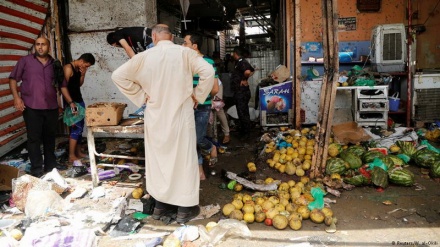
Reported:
(432, 12)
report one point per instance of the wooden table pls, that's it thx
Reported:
(127, 127)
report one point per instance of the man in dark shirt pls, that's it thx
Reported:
(38, 102)
(132, 39)
(240, 87)
(74, 74)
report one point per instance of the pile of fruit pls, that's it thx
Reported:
(288, 206)
(292, 151)
(378, 166)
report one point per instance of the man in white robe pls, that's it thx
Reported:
(163, 78)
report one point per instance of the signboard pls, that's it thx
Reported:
(276, 104)
(347, 24)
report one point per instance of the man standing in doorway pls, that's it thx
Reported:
(162, 77)
(242, 94)
(74, 74)
(38, 102)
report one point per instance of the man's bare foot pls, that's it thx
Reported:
(82, 155)
(202, 173)
(226, 139)
(72, 158)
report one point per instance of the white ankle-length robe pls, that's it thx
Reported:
(164, 76)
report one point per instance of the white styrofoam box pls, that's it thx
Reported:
(373, 105)
(371, 116)
(375, 92)
(372, 123)
(425, 81)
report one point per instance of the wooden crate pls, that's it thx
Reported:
(104, 113)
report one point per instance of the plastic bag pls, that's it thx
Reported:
(224, 229)
(70, 119)
(41, 202)
(429, 146)
(318, 194)
(377, 163)
(364, 82)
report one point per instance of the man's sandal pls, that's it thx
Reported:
(212, 161)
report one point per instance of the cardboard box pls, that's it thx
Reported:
(104, 113)
(349, 132)
(7, 173)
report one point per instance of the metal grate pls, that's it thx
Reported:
(428, 104)
(392, 46)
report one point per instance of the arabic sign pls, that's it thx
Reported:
(347, 24)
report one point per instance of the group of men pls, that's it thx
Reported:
(176, 85)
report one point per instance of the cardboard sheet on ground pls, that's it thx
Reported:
(349, 132)
(7, 173)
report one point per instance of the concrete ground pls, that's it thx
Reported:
(411, 219)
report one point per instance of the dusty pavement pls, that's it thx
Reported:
(412, 218)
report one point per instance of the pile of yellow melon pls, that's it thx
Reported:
(295, 157)
(285, 207)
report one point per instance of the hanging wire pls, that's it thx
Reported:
(432, 12)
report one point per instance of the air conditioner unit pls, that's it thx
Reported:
(388, 47)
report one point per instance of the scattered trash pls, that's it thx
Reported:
(251, 185)
(224, 229)
(124, 227)
(97, 192)
(387, 202)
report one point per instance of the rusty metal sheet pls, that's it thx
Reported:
(20, 24)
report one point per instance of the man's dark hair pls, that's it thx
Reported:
(196, 39)
(111, 38)
(238, 50)
(88, 58)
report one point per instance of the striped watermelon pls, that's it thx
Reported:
(425, 157)
(369, 156)
(401, 176)
(435, 169)
(353, 160)
(357, 150)
(336, 165)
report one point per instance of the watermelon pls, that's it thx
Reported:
(401, 176)
(406, 147)
(357, 180)
(357, 150)
(379, 177)
(388, 162)
(435, 169)
(382, 150)
(369, 156)
(353, 160)
(425, 157)
(396, 160)
(335, 165)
